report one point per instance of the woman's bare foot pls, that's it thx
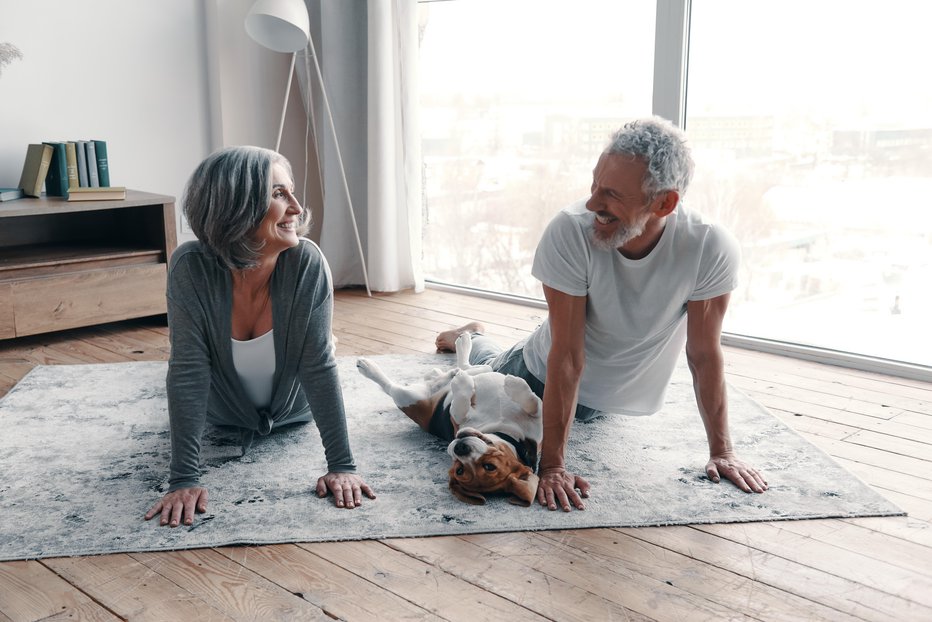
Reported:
(446, 341)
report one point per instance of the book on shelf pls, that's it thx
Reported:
(97, 194)
(35, 168)
(11, 194)
(93, 180)
(103, 165)
(80, 150)
(56, 181)
(71, 159)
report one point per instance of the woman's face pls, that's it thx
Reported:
(277, 229)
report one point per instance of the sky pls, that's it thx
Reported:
(854, 59)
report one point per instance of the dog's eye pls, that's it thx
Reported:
(459, 470)
(488, 466)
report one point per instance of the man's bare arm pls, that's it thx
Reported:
(707, 364)
(565, 363)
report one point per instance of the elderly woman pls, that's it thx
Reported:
(250, 306)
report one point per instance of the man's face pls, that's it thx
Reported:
(621, 208)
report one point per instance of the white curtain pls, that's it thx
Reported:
(367, 51)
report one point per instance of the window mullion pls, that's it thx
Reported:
(671, 53)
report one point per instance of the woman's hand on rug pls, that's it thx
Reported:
(179, 505)
(732, 468)
(558, 486)
(347, 489)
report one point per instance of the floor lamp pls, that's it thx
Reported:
(284, 26)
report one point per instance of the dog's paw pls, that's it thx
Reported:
(520, 393)
(365, 367)
(463, 341)
(516, 388)
(462, 385)
(463, 350)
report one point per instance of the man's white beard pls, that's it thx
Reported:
(623, 234)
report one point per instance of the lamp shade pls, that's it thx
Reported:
(280, 25)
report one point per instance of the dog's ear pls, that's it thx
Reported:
(467, 496)
(523, 487)
(530, 450)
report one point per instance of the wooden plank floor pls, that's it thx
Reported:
(878, 427)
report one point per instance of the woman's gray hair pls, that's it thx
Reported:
(662, 146)
(227, 197)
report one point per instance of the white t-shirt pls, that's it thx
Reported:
(636, 309)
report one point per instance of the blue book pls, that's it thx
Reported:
(81, 151)
(11, 194)
(93, 181)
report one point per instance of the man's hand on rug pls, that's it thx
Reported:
(347, 489)
(179, 505)
(557, 486)
(732, 468)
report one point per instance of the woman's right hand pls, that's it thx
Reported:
(179, 505)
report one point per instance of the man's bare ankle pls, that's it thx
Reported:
(446, 341)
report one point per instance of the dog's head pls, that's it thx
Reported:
(485, 464)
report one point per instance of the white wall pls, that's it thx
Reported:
(163, 82)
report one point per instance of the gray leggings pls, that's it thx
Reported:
(511, 361)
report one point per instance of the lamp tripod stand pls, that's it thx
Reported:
(284, 26)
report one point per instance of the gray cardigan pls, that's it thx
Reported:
(202, 382)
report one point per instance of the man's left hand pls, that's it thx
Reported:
(558, 486)
(347, 489)
(732, 468)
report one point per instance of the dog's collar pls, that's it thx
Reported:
(520, 449)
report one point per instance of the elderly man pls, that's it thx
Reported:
(629, 276)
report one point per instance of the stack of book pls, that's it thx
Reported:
(75, 170)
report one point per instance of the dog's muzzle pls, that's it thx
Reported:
(468, 444)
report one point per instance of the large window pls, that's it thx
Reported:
(812, 132)
(518, 97)
(811, 124)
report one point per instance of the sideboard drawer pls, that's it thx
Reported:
(89, 297)
(7, 325)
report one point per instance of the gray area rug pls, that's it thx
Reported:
(85, 452)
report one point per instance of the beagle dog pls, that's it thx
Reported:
(493, 422)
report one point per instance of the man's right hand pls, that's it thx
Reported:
(179, 505)
(558, 486)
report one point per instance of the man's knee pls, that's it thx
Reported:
(484, 350)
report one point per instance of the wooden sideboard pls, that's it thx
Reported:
(68, 264)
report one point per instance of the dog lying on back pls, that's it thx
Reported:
(492, 421)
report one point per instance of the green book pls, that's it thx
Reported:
(35, 169)
(56, 181)
(103, 166)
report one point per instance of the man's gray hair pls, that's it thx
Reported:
(662, 146)
(227, 197)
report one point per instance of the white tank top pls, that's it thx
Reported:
(254, 361)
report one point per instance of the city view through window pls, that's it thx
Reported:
(812, 144)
